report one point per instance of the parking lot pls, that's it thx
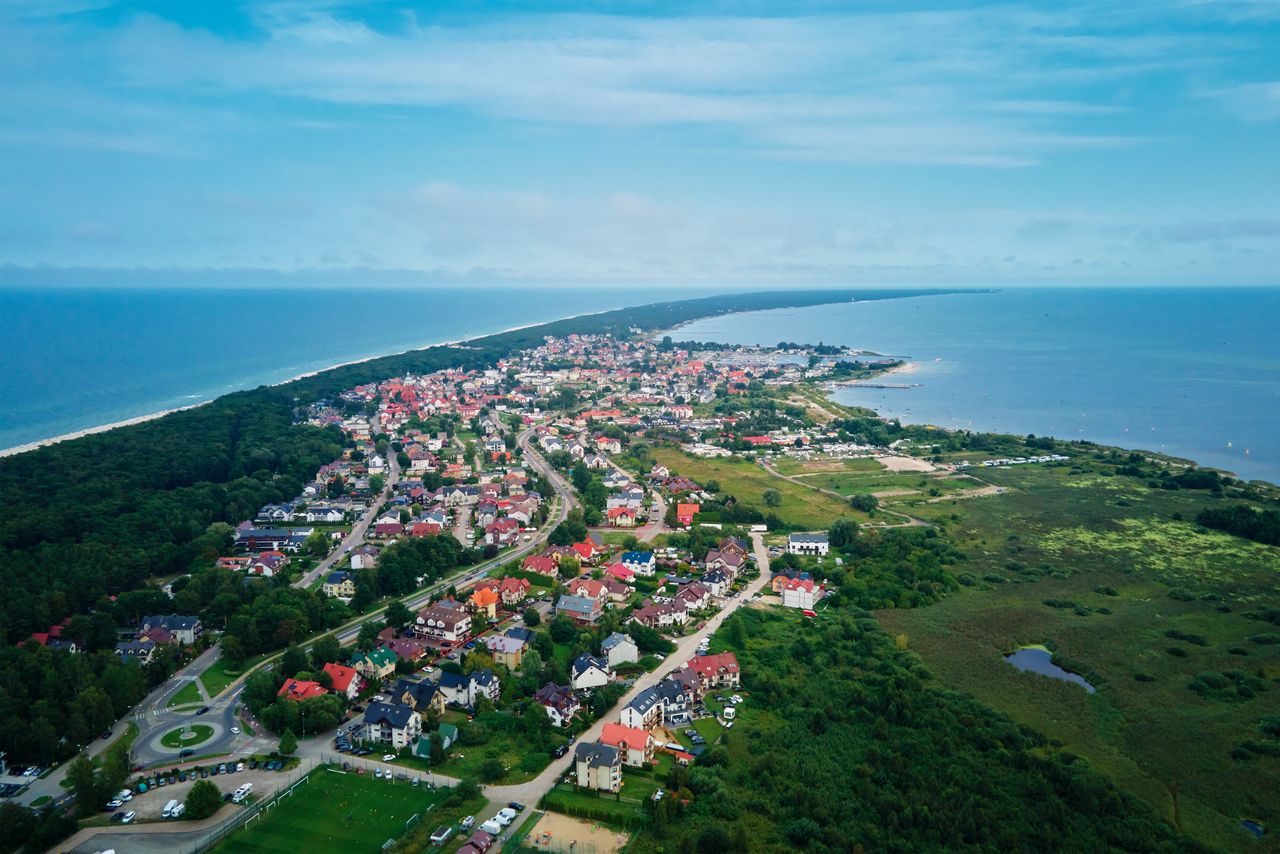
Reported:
(150, 804)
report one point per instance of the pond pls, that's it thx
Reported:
(1037, 659)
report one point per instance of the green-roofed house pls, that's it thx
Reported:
(447, 734)
(376, 663)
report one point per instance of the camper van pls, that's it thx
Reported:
(242, 792)
(169, 808)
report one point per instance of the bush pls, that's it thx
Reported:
(1238, 650)
(203, 800)
(1266, 639)
(1198, 640)
(1180, 595)
(1143, 677)
(492, 770)
(1177, 652)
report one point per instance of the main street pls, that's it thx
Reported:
(355, 538)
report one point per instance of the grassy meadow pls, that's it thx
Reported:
(1160, 615)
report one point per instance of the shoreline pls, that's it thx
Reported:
(152, 416)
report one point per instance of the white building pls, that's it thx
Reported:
(807, 544)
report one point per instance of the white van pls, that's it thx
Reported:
(178, 811)
(169, 808)
(242, 792)
(492, 827)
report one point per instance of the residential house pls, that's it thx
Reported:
(406, 649)
(801, 593)
(422, 696)
(598, 766)
(140, 651)
(618, 648)
(635, 745)
(621, 517)
(717, 581)
(465, 690)
(728, 561)
(184, 629)
(301, 689)
(388, 526)
(641, 563)
(807, 544)
(541, 564)
(620, 572)
(685, 513)
(694, 596)
(587, 588)
(484, 602)
(616, 593)
(583, 610)
(375, 664)
(716, 671)
(559, 701)
(661, 615)
(395, 724)
(340, 585)
(343, 680)
(444, 621)
(502, 532)
(364, 557)
(589, 672)
(507, 651)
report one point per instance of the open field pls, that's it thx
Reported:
(789, 466)
(1103, 571)
(335, 812)
(746, 481)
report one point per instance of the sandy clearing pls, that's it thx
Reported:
(555, 832)
(970, 493)
(895, 463)
(894, 493)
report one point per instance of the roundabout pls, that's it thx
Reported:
(191, 735)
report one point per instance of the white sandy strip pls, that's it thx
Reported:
(44, 443)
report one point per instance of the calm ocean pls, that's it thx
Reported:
(71, 359)
(1189, 372)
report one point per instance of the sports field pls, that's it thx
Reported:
(334, 812)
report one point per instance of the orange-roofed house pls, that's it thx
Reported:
(343, 680)
(686, 512)
(301, 689)
(635, 744)
(484, 601)
(801, 593)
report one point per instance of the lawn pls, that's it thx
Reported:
(188, 695)
(746, 481)
(217, 677)
(335, 812)
(187, 736)
(1086, 564)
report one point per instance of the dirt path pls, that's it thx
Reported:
(911, 521)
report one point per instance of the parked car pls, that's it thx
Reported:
(505, 816)
(235, 730)
(119, 816)
(560, 751)
(377, 772)
(186, 751)
(128, 817)
(202, 710)
(388, 757)
(114, 803)
(517, 806)
(468, 823)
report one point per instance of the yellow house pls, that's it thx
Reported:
(340, 584)
(509, 652)
(484, 601)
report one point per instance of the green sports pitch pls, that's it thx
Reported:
(334, 811)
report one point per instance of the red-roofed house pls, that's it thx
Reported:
(801, 593)
(757, 441)
(686, 512)
(344, 680)
(511, 591)
(619, 572)
(301, 689)
(716, 671)
(635, 744)
(622, 517)
(588, 588)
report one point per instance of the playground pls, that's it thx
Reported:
(561, 833)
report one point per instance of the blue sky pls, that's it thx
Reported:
(872, 143)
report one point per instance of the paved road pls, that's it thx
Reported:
(355, 537)
(531, 793)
